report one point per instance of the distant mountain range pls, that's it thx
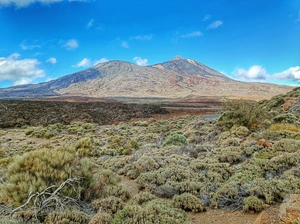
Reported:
(178, 78)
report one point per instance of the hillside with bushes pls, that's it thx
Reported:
(246, 159)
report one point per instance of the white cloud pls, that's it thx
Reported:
(28, 47)
(25, 3)
(83, 63)
(142, 38)
(207, 17)
(102, 60)
(52, 61)
(125, 44)
(254, 73)
(90, 23)
(71, 44)
(292, 73)
(19, 71)
(140, 61)
(215, 24)
(193, 34)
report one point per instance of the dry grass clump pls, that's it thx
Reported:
(109, 205)
(231, 155)
(285, 127)
(105, 184)
(75, 128)
(67, 216)
(188, 202)
(253, 203)
(122, 145)
(287, 145)
(101, 217)
(147, 209)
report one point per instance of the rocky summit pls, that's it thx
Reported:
(178, 78)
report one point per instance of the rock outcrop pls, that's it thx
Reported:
(289, 211)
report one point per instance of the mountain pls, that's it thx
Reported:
(177, 78)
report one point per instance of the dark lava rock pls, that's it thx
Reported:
(35, 113)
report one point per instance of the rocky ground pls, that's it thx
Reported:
(35, 113)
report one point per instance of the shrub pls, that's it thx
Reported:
(188, 202)
(105, 184)
(242, 132)
(264, 155)
(37, 170)
(285, 127)
(101, 217)
(124, 146)
(154, 211)
(175, 139)
(232, 157)
(141, 198)
(287, 145)
(242, 113)
(286, 118)
(67, 216)
(7, 220)
(110, 204)
(253, 203)
(228, 196)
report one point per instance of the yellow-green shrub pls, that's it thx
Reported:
(242, 113)
(153, 211)
(35, 171)
(110, 204)
(253, 203)
(67, 216)
(101, 217)
(188, 202)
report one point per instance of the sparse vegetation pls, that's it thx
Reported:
(247, 158)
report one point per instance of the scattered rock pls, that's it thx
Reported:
(289, 211)
(288, 103)
(265, 143)
(262, 218)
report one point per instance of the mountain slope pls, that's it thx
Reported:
(190, 67)
(177, 78)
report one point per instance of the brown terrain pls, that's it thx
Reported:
(67, 110)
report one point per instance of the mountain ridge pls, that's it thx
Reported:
(177, 78)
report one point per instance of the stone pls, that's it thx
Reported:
(289, 210)
(288, 103)
(262, 218)
(265, 143)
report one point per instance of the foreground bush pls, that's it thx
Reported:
(175, 139)
(150, 211)
(188, 202)
(253, 203)
(68, 216)
(101, 217)
(242, 113)
(38, 170)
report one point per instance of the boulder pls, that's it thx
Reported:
(289, 210)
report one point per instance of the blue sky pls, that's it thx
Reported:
(249, 40)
